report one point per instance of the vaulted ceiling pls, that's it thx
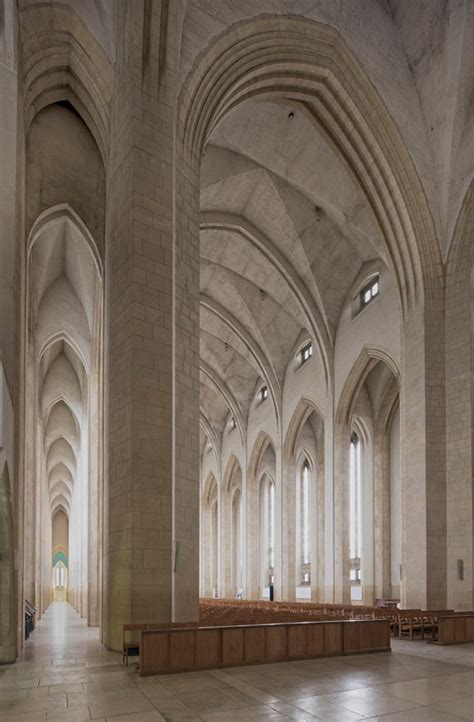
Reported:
(285, 229)
(64, 289)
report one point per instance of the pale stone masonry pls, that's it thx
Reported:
(235, 244)
(153, 493)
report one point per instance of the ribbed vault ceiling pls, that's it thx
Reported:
(285, 229)
(64, 288)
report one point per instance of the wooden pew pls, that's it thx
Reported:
(241, 613)
(413, 621)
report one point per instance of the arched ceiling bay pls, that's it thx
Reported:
(65, 283)
(285, 229)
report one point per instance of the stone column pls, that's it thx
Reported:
(423, 439)
(152, 311)
(8, 185)
(382, 557)
(289, 532)
(11, 251)
(326, 551)
(342, 589)
(368, 525)
(96, 443)
(226, 541)
(459, 439)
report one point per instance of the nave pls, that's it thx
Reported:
(236, 357)
(64, 674)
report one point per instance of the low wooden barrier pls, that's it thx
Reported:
(183, 650)
(456, 628)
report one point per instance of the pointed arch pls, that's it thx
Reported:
(310, 62)
(66, 338)
(66, 63)
(303, 411)
(209, 536)
(60, 556)
(361, 473)
(367, 360)
(314, 315)
(460, 256)
(209, 492)
(59, 402)
(304, 440)
(48, 221)
(232, 468)
(212, 437)
(229, 398)
(261, 361)
(230, 514)
(262, 442)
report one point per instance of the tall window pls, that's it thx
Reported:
(303, 525)
(305, 499)
(267, 530)
(271, 523)
(355, 509)
(59, 574)
(214, 546)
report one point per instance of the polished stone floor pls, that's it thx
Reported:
(66, 675)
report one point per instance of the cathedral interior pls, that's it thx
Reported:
(236, 360)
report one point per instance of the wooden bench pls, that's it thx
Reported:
(405, 623)
(182, 650)
(420, 621)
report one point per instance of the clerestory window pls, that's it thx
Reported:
(369, 292)
(305, 353)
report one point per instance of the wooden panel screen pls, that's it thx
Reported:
(232, 646)
(179, 650)
(456, 629)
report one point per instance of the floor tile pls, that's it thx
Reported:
(64, 674)
(172, 708)
(201, 702)
(138, 717)
(464, 707)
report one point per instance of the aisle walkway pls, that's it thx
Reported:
(66, 675)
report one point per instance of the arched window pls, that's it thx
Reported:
(267, 530)
(303, 522)
(59, 575)
(271, 514)
(355, 509)
(209, 537)
(214, 547)
(305, 500)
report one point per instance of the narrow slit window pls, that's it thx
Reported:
(306, 353)
(262, 394)
(369, 292)
(355, 509)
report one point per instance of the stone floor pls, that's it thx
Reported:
(66, 675)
